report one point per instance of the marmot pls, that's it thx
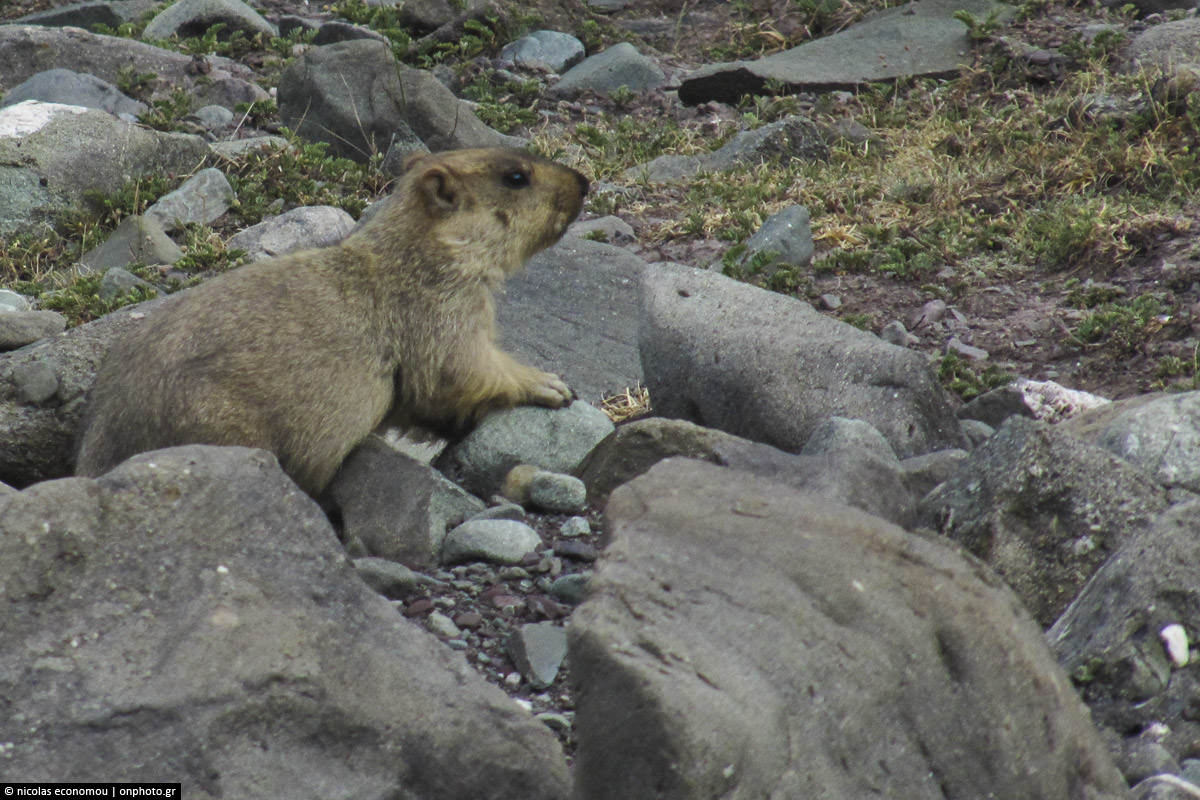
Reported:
(304, 355)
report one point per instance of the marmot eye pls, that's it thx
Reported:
(515, 179)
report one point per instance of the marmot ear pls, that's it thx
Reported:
(440, 190)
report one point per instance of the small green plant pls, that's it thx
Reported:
(958, 375)
(1178, 374)
(80, 300)
(861, 321)
(165, 114)
(503, 105)
(131, 198)
(1121, 327)
(301, 174)
(381, 19)
(978, 29)
(205, 251)
(135, 84)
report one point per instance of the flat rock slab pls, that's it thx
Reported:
(743, 640)
(249, 661)
(916, 39)
(574, 311)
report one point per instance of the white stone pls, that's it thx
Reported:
(30, 116)
(1175, 640)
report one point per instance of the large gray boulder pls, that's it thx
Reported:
(917, 39)
(75, 89)
(1044, 509)
(1112, 639)
(574, 311)
(190, 617)
(743, 640)
(358, 98)
(88, 13)
(28, 49)
(1162, 438)
(195, 17)
(51, 155)
(732, 356)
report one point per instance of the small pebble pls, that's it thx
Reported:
(570, 588)
(563, 494)
(580, 551)
(575, 526)
(418, 607)
(442, 625)
(469, 619)
(553, 721)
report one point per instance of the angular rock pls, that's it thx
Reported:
(784, 239)
(19, 328)
(195, 17)
(745, 641)
(298, 229)
(792, 138)
(549, 317)
(118, 283)
(554, 440)
(1109, 638)
(771, 368)
(621, 65)
(75, 89)
(250, 661)
(537, 651)
(357, 97)
(857, 476)
(52, 155)
(137, 240)
(497, 541)
(201, 198)
(915, 40)
(222, 80)
(1044, 509)
(549, 50)
(397, 507)
(1161, 438)
(211, 118)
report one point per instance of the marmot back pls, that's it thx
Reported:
(304, 355)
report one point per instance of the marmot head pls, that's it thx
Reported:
(499, 205)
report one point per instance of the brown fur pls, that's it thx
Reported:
(306, 354)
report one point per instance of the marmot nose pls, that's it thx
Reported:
(583, 184)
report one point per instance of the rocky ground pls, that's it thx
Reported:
(878, 257)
